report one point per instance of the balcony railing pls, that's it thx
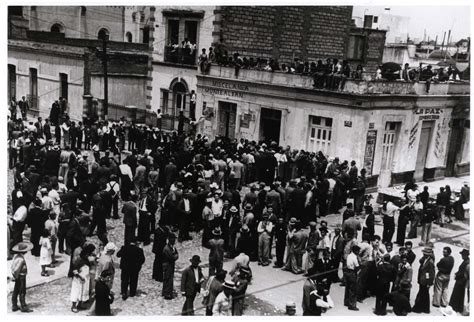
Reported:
(180, 56)
(364, 87)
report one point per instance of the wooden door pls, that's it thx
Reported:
(423, 147)
(226, 119)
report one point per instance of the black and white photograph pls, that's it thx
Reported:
(237, 159)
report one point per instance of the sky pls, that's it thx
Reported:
(435, 19)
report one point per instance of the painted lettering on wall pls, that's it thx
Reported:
(231, 86)
(412, 137)
(223, 92)
(428, 111)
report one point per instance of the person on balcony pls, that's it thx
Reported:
(203, 61)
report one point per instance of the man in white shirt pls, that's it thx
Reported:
(350, 279)
(217, 204)
(388, 211)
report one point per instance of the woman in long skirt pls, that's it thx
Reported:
(45, 252)
(457, 300)
(80, 285)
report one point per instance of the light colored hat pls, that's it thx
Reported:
(233, 209)
(229, 284)
(110, 247)
(22, 247)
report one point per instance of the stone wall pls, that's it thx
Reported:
(284, 32)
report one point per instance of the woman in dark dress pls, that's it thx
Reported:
(462, 281)
(103, 295)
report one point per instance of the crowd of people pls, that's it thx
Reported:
(242, 198)
(184, 52)
(331, 73)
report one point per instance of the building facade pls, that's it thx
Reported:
(44, 66)
(174, 69)
(391, 129)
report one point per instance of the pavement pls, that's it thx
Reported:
(268, 294)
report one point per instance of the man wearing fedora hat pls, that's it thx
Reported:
(216, 254)
(170, 256)
(223, 304)
(241, 282)
(191, 280)
(461, 277)
(426, 275)
(131, 261)
(234, 223)
(19, 271)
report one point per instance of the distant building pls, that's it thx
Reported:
(46, 65)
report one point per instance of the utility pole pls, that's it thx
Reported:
(106, 81)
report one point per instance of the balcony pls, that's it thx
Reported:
(352, 86)
(180, 56)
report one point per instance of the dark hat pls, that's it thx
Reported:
(172, 236)
(22, 247)
(195, 259)
(221, 274)
(217, 231)
(248, 206)
(323, 228)
(464, 252)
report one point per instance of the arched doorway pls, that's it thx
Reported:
(179, 98)
(128, 36)
(57, 28)
(103, 34)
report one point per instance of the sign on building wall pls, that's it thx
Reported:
(245, 120)
(370, 151)
(428, 113)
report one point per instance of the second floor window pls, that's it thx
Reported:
(181, 43)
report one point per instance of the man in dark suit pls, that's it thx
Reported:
(132, 259)
(170, 256)
(296, 201)
(191, 280)
(337, 251)
(426, 275)
(385, 274)
(185, 208)
(159, 242)
(130, 214)
(273, 198)
(322, 268)
(103, 295)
